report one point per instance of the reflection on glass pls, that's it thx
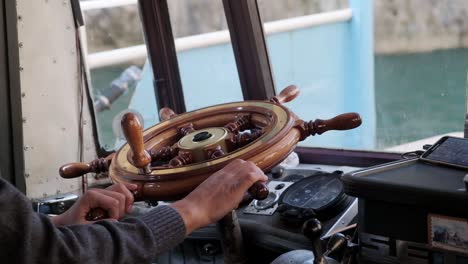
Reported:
(113, 80)
(113, 88)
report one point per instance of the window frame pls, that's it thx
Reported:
(248, 42)
(250, 49)
(162, 54)
(11, 136)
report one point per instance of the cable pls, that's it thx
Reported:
(84, 178)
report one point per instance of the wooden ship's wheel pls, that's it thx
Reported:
(172, 158)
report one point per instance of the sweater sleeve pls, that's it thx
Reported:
(28, 237)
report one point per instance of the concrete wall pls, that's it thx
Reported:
(400, 25)
(420, 25)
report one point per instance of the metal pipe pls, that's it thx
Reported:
(116, 56)
(119, 56)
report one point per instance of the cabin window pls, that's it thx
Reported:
(309, 46)
(116, 60)
(401, 66)
(403, 69)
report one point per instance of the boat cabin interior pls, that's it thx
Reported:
(356, 120)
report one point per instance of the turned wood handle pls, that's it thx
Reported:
(133, 132)
(340, 122)
(74, 170)
(166, 113)
(77, 169)
(96, 214)
(259, 191)
(286, 95)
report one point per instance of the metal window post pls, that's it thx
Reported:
(11, 136)
(250, 50)
(162, 53)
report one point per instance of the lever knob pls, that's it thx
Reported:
(132, 130)
(312, 229)
(259, 191)
(337, 242)
(286, 95)
(166, 113)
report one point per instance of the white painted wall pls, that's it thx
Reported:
(49, 82)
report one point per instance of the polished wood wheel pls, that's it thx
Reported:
(170, 159)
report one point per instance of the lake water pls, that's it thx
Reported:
(417, 96)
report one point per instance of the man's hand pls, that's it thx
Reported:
(117, 200)
(218, 195)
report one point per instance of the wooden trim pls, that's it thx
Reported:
(340, 157)
(162, 54)
(250, 50)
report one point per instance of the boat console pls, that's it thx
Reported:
(275, 226)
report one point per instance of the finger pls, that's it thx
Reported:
(119, 197)
(124, 188)
(96, 199)
(235, 168)
(254, 173)
(130, 186)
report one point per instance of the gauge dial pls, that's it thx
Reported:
(316, 193)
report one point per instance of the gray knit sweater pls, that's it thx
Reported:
(28, 237)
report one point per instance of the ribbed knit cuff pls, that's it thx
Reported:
(167, 225)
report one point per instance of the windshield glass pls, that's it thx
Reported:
(400, 64)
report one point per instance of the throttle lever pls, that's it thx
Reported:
(259, 191)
